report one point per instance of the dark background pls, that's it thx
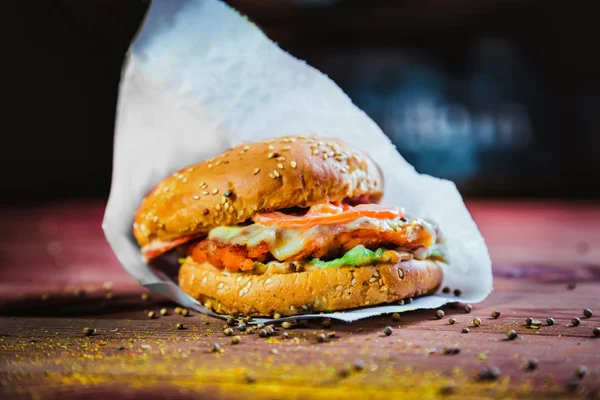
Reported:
(502, 96)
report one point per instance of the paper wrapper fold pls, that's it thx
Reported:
(199, 79)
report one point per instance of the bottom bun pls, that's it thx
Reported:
(318, 290)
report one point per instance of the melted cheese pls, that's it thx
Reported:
(286, 242)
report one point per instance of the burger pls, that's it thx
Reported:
(288, 226)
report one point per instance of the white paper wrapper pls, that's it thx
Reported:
(199, 79)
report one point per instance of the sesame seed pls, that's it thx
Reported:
(223, 200)
(218, 207)
(218, 162)
(271, 147)
(231, 209)
(276, 173)
(246, 148)
(293, 164)
(215, 191)
(256, 171)
(315, 152)
(286, 140)
(225, 206)
(271, 176)
(271, 155)
(209, 165)
(203, 185)
(195, 197)
(325, 156)
(280, 159)
(339, 158)
(286, 147)
(205, 192)
(344, 170)
(280, 166)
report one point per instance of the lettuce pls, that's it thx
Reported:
(359, 255)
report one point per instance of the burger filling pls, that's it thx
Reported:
(324, 236)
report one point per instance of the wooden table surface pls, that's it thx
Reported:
(546, 264)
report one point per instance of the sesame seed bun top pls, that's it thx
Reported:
(255, 177)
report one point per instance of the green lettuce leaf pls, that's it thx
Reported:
(359, 255)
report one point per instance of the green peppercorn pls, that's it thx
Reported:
(512, 334)
(596, 331)
(465, 330)
(532, 364)
(477, 322)
(151, 314)
(495, 314)
(242, 327)
(89, 331)
(451, 321)
(236, 339)
(396, 316)
(388, 330)
(575, 321)
(581, 371)
(468, 308)
(180, 326)
(587, 313)
(439, 314)
(550, 321)
(276, 316)
(178, 310)
(185, 312)
(228, 332)
(163, 311)
(321, 338)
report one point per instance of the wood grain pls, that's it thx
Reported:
(538, 250)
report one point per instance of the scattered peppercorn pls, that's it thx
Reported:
(358, 365)
(587, 313)
(532, 364)
(388, 330)
(276, 316)
(457, 292)
(573, 384)
(151, 314)
(581, 371)
(447, 389)
(535, 322)
(144, 296)
(286, 335)
(286, 324)
(227, 193)
(344, 372)
(215, 348)
(575, 321)
(178, 310)
(230, 320)
(326, 323)
(477, 322)
(163, 311)
(451, 321)
(241, 327)
(185, 312)
(596, 331)
(528, 321)
(400, 302)
(550, 321)
(270, 331)
(489, 374)
(408, 300)
(330, 335)
(495, 314)
(512, 334)
(250, 379)
(180, 326)
(452, 350)
(439, 314)
(465, 330)
(446, 290)
(571, 286)
(262, 333)
(89, 331)
(396, 316)
(321, 338)
(236, 339)
(468, 308)
(228, 332)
